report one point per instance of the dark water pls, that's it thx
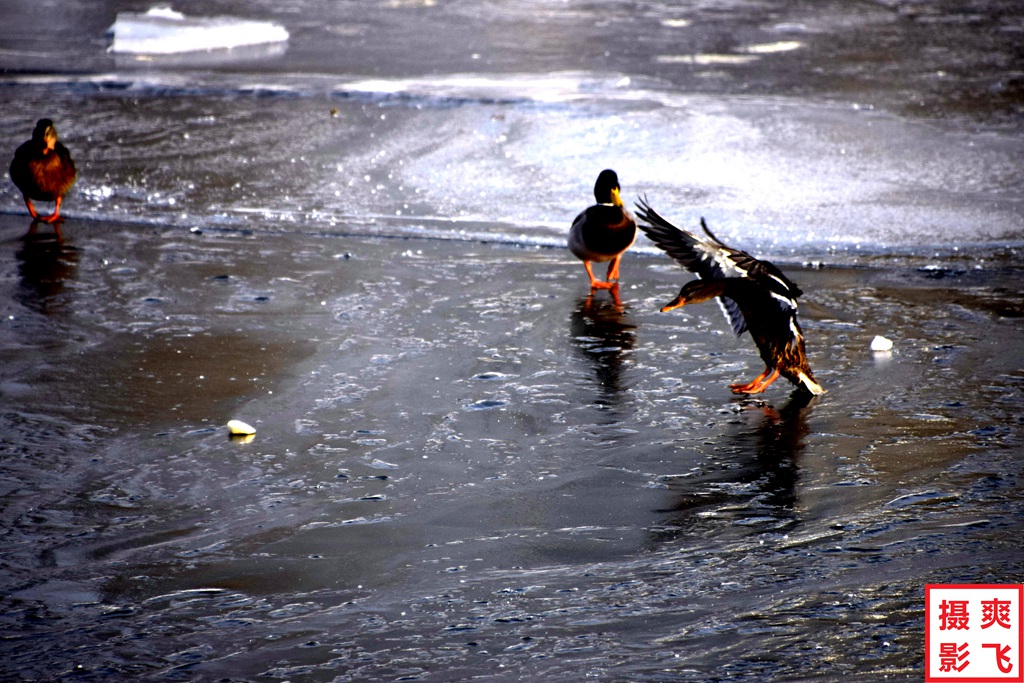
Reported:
(465, 467)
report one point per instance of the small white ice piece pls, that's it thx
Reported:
(239, 428)
(881, 344)
(163, 31)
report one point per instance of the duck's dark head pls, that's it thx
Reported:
(695, 292)
(606, 189)
(45, 134)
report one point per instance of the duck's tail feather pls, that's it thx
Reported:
(810, 384)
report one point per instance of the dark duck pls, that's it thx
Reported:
(603, 232)
(753, 294)
(43, 170)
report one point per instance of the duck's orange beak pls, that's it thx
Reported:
(678, 302)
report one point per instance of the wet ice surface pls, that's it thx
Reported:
(440, 158)
(465, 466)
(930, 57)
(782, 127)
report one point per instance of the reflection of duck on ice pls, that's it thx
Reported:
(604, 336)
(758, 481)
(46, 264)
(754, 294)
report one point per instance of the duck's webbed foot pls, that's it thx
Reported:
(613, 270)
(594, 282)
(758, 384)
(53, 217)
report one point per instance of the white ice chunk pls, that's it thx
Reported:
(163, 31)
(881, 344)
(164, 11)
(237, 427)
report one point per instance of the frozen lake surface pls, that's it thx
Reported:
(465, 467)
(801, 131)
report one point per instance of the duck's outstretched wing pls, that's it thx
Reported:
(708, 258)
(711, 258)
(763, 272)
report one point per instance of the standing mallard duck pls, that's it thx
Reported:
(754, 296)
(604, 231)
(43, 169)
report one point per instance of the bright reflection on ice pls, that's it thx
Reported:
(706, 59)
(769, 48)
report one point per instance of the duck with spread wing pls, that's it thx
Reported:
(754, 295)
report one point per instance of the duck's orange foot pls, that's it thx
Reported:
(612, 283)
(55, 216)
(746, 388)
(758, 384)
(613, 269)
